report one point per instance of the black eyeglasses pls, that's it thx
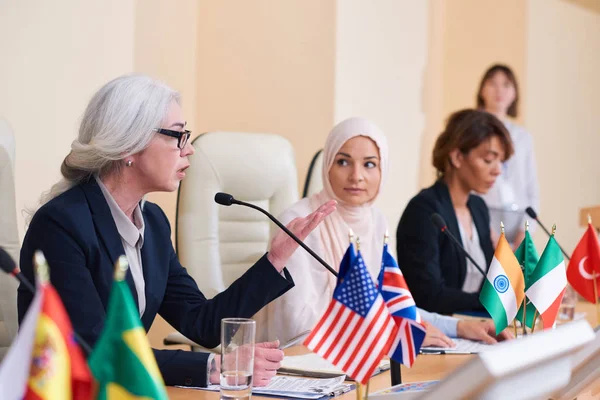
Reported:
(182, 137)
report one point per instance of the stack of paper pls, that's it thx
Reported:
(300, 388)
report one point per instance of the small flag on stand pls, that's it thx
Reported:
(583, 272)
(401, 305)
(503, 289)
(528, 258)
(548, 282)
(356, 330)
(44, 362)
(122, 361)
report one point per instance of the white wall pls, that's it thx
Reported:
(563, 103)
(381, 52)
(54, 56)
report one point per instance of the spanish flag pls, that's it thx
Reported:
(44, 361)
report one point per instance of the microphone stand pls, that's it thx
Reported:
(286, 230)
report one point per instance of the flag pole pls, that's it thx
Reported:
(596, 298)
(524, 313)
(360, 391)
(395, 370)
(524, 316)
(535, 316)
(594, 276)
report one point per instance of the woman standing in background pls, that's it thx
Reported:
(517, 187)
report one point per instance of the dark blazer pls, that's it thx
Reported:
(81, 243)
(434, 268)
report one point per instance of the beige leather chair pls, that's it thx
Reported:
(217, 244)
(314, 178)
(9, 238)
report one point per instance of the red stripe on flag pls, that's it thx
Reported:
(358, 347)
(31, 395)
(549, 316)
(369, 372)
(332, 325)
(340, 333)
(409, 342)
(351, 336)
(397, 300)
(319, 324)
(375, 340)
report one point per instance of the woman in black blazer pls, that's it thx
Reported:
(468, 158)
(132, 141)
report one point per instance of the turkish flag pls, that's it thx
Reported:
(584, 263)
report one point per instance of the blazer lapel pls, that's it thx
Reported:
(452, 222)
(479, 222)
(107, 229)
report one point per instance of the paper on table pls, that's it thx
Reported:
(404, 391)
(302, 388)
(463, 346)
(313, 365)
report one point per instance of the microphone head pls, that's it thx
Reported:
(224, 199)
(531, 212)
(438, 221)
(7, 264)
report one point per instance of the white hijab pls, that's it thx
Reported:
(365, 221)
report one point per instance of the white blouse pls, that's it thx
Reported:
(516, 188)
(473, 278)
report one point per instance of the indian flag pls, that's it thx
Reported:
(503, 289)
(122, 361)
(548, 283)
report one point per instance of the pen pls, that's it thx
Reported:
(294, 341)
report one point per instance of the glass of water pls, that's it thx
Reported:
(566, 312)
(237, 357)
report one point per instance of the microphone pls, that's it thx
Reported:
(439, 222)
(8, 265)
(531, 212)
(225, 199)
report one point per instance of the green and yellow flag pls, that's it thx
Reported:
(122, 361)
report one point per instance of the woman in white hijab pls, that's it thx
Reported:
(355, 165)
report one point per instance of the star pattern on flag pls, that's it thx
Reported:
(357, 291)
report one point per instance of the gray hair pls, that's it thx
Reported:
(118, 122)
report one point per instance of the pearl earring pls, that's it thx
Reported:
(129, 163)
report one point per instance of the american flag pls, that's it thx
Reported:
(401, 304)
(357, 330)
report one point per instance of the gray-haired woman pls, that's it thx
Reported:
(133, 141)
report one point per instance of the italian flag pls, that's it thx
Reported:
(548, 283)
(503, 289)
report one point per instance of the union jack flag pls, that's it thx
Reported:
(357, 329)
(401, 305)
